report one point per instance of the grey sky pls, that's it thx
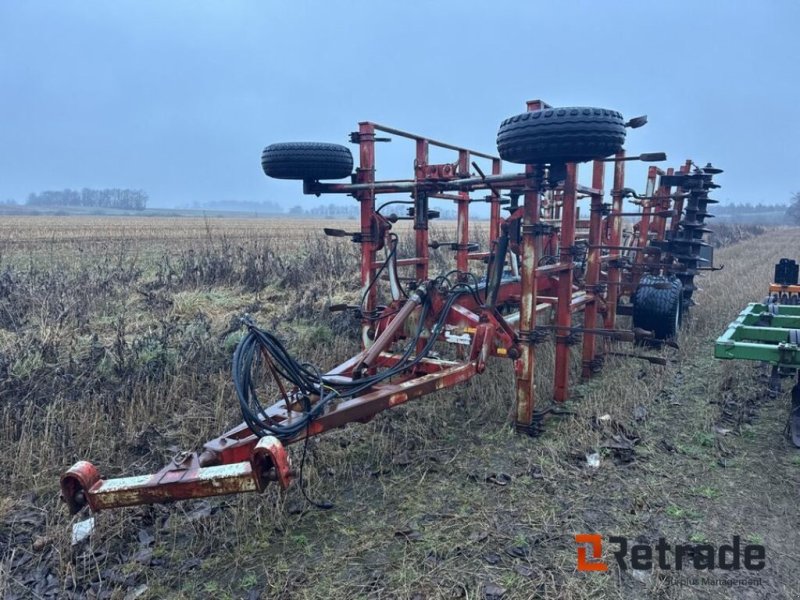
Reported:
(179, 98)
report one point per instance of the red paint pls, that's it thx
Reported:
(540, 291)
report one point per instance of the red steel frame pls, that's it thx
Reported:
(238, 461)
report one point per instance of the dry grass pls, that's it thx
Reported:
(725, 234)
(71, 229)
(121, 363)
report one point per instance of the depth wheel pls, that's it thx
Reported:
(657, 306)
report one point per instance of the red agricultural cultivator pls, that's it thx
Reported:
(550, 272)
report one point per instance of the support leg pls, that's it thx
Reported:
(525, 385)
(615, 224)
(593, 269)
(564, 305)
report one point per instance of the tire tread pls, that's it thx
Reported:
(570, 134)
(307, 161)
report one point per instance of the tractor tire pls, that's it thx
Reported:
(309, 161)
(657, 306)
(559, 135)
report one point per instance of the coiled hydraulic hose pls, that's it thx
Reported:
(259, 346)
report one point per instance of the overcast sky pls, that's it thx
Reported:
(179, 98)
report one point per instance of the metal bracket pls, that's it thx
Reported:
(356, 137)
(576, 251)
(597, 289)
(620, 263)
(535, 429)
(533, 336)
(764, 319)
(455, 246)
(596, 364)
(538, 229)
(604, 209)
(270, 462)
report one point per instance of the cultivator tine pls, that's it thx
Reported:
(644, 157)
(775, 387)
(340, 307)
(336, 232)
(653, 157)
(637, 122)
(643, 334)
(655, 360)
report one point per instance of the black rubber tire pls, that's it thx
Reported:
(657, 306)
(307, 161)
(551, 135)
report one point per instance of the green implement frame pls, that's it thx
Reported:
(763, 332)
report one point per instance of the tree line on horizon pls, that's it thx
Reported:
(91, 198)
(747, 207)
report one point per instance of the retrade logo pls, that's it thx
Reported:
(593, 542)
(642, 557)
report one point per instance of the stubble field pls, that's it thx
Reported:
(115, 343)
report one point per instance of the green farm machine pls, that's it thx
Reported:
(769, 332)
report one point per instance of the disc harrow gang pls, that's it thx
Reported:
(548, 275)
(687, 244)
